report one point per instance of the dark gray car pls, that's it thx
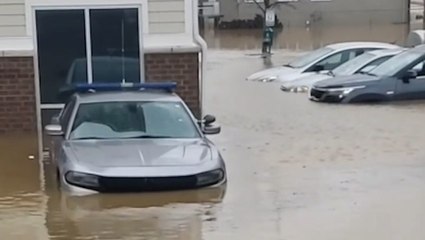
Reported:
(400, 78)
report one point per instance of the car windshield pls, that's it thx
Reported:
(310, 57)
(396, 63)
(352, 66)
(121, 120)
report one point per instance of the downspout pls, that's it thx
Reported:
(203, 54)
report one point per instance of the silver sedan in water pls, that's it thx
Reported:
(133, 141)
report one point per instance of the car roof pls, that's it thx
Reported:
(386, 52)
(346, 45)
(419, 48)
(124, 96)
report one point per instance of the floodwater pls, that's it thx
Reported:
(297, 171)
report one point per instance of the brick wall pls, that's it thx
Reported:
(182, 68)
(17, 90)
(17, 95)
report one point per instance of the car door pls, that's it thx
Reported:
(63, 119)
(335, 60)
(413, 88)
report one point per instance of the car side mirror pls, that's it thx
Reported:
(410, 74)
(54, 130)
(208, 128)
(211, 130)
(209, 119)
(318, 68)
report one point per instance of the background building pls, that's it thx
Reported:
(328, 12)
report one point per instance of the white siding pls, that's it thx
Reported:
(166, 16)
(12, 18)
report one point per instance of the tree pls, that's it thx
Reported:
(269, 4)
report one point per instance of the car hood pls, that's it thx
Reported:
(140, 153)
(307, 81)
(272, 74)
(347, 81)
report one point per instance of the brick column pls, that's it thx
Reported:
(17, 95)
(182, 68)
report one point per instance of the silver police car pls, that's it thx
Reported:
(132, 138)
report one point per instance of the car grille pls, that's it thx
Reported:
(144, 184)
(315, 93)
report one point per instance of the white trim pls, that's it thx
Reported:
(51, 106)
(188, 16)
(88, 45)
(203, 54)
(144, 24)
(81, 4)
(37, 93)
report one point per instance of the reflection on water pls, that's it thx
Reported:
(130, 216)
(32, 206)
(305, 38)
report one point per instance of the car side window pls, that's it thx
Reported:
(66, 113)
(420, 69)
(339, 58)
(372, 65)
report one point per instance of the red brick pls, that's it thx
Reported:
(17, 95)
(181, 68)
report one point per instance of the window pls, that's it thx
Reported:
(68, 53)
(310, 57)
(353, 65)
(118, 120)
(115, 49)
(374, 64)
(337, 59)
(61, 40)
(398, 63)
(420, 69)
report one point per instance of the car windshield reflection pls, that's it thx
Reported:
(132, 120)
(310, 57)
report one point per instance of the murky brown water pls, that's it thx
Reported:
(307, 38)
(297, 170)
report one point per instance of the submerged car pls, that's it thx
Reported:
(400, 78)
(361, 64)
(140, 138)
(319, 60)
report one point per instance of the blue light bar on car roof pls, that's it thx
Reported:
(99, 87)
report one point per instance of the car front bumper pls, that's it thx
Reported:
(323, 95)
(143, 184)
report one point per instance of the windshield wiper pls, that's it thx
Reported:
(89, 138)
(148, 137)
(331, 73)
(367, 73)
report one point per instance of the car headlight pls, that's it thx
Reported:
(208, 178)
(268, 79)
(301, 89)
(82, 179)
(345, 90)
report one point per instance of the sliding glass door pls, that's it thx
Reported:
(85, 45)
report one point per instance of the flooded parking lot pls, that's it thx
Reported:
(297, 170)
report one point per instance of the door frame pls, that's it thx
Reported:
(79, 5)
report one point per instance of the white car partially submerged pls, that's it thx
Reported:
(320, 60)
(363, 63)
